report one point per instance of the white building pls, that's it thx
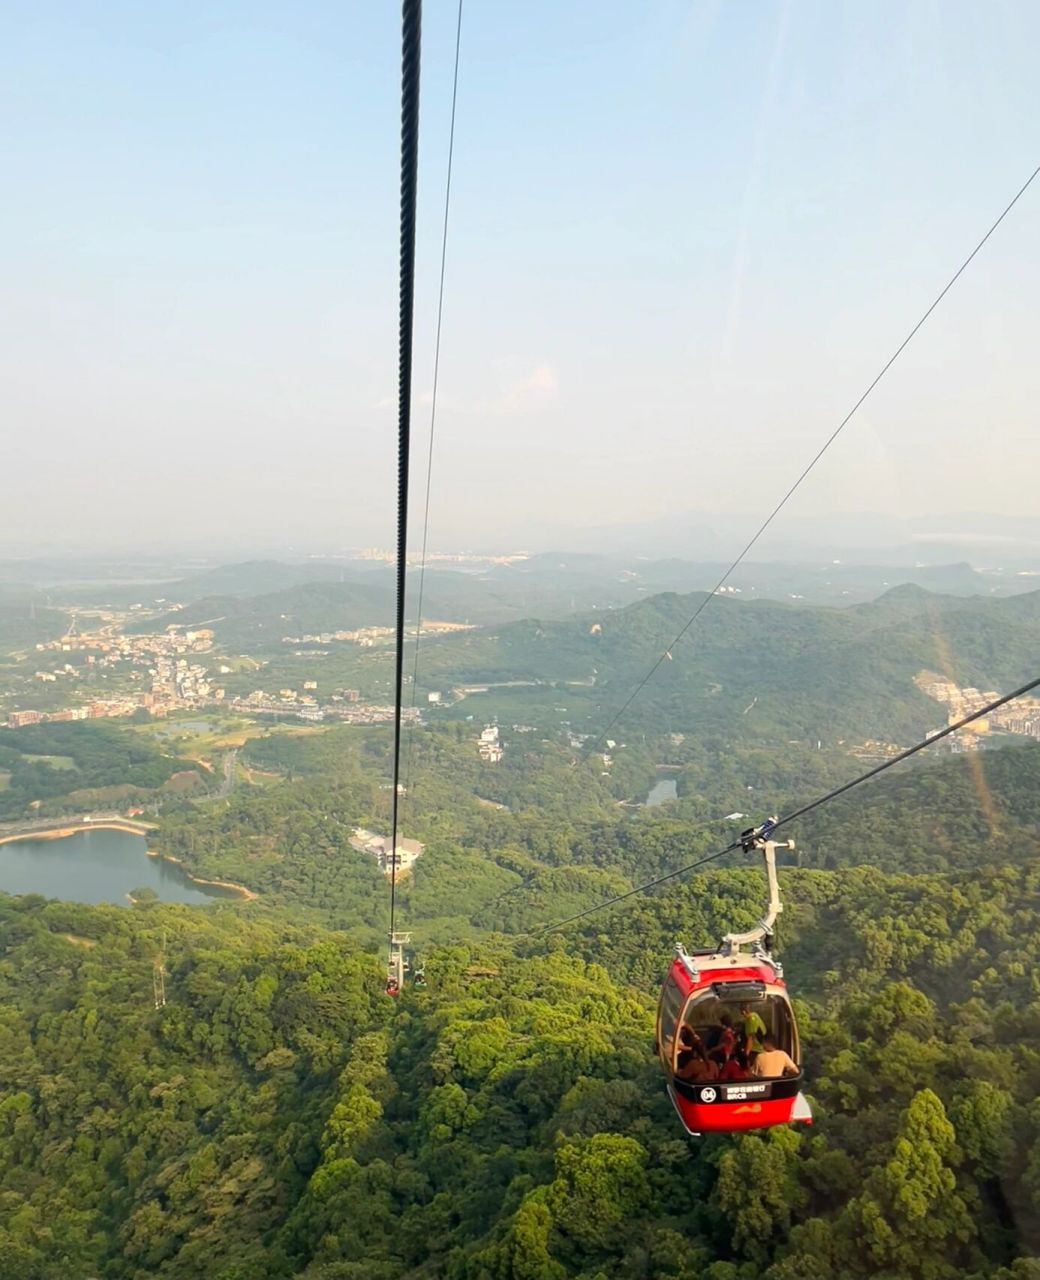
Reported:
(488, 744)
(407, 853)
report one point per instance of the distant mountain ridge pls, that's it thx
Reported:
(551, 583)
(808, 670)
(250, 621)
(856, 537)
(764, 667)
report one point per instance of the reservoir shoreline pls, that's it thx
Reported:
(246, 894)
(61, 831)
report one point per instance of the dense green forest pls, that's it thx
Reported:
(814, 673)
(280, 1117)
(55, 768)
(538, 836)
(969, 810)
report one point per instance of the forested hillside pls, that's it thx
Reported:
(537, 837)
(247, 617)
(26, 623)
(748, 670)
(280, 1117)
(55, 768)
(249, 623)
(972, 810)
(754, 668)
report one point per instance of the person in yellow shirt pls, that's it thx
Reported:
(754, 1029)
(772, 1062)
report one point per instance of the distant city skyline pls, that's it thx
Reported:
(684, 238)
(987, 541)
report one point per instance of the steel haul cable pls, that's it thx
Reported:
(411, 45)
(1020, 692)
(433, 403)
(666, 656)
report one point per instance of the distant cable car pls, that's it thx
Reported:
(716, 1011)
(396, 963)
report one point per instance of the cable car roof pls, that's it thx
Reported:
(739, 971)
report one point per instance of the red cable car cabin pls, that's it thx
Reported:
(698, 991)
(710, 989)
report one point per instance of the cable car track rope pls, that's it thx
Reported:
(800, 812)
(667, 654)
(433, 401)
(411, 45)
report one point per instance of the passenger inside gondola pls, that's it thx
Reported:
(772, 1062)
(735, 1068)
(722, 1039)
(692, 1063)
(754, 1029)
(690, 1046)
(733, 1036)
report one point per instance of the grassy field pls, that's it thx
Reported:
(199, 738)
(195, 737)
(545, 707)
(55, 762)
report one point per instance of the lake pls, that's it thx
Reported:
(174, 727)
(663, 790)
(97, 866)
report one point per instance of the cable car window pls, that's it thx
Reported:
(784, 1032)
(667, 1017)
(719, 1024)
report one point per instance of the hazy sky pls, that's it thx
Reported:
(684, 238)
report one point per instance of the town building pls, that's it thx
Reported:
(16, 719)
(488, 745)
(404, 857)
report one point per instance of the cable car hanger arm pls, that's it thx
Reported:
(758, 838)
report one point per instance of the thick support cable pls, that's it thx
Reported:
(411, 45)
(433, 401)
